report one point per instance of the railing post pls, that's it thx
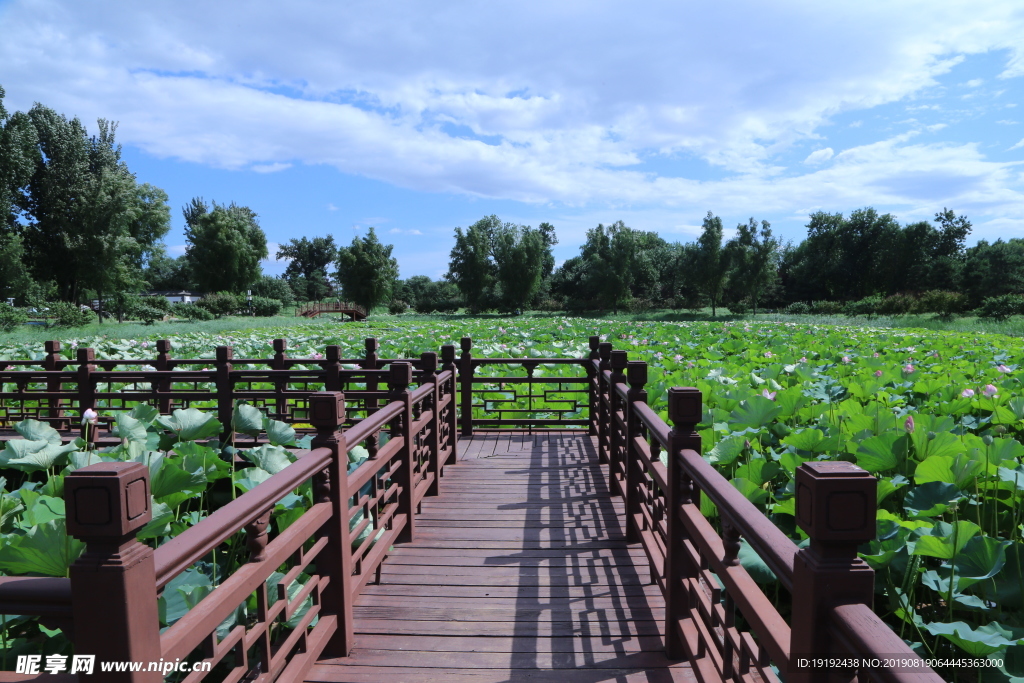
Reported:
(163, 364)
(466, 380)
(280, 363)
(372, 347)
(332, 368)
(113, 583)
(51, 363)
(448, 364)
(604, 409)
(327, 414)
(399, 378)
(617, 435)
(684, 411)
(835, 506)
(225, 392)
(87, 390)
(636, 375)
(593, 386)
(428, 363)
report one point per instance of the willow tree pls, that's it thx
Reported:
(225, 246)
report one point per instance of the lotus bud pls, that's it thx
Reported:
(90, 416)
(746, 444)
(931, 436)
(908, 424)
(1000, 429)
(987, 439)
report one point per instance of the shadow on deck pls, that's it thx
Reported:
(520, 571)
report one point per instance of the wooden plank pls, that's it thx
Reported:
(519, 571)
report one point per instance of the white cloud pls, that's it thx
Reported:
(819, 156)
(399, 231)
(974, 82)
(536, 114)
(332, 207)
(1018, 145)
(270, 168)
(176, 249)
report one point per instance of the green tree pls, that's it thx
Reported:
(471, 266)
(14, 278)
(19, 144)
(274, 288)
(225, 246)
(712, 261)
(89, 223)
(308, 262)
(520, 258)
(367, 272)
(753, 259)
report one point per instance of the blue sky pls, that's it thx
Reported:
(415, 118)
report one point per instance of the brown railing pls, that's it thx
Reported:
(716, 615)
(315, 308)
(108, 606)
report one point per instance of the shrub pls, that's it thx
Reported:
(549, 305)
(11, 317)
(190, 312)
(67, 314)
(265, 307)
(741, 307)
(274, 288)
(221, 303)
(898, 304)
(944, 303)
(158, 302)
(797, 308)
(639, 305)
(1001, 307)
(148, 314)
(869, 305)
(397, 307)
(827, 307)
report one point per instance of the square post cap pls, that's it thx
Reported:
(619, 360)
(836, 502)
(428, 361)
(107, 501)
(327, 409)
(400, 375)
(685, 406)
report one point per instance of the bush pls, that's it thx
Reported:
(190, 312)
(797, 308)
(160, 303)
(148, 314)
(1001, 307)
(898, 304)
(221, 303)
(265, 307)
(827, 307)
(869, 305)
(550, 305)
(67, 314)
(397, 307)
(274, 288)
(946, 304)
(639, 305)
(11, 317)
(741, 307)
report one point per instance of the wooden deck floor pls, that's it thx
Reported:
(519, 571)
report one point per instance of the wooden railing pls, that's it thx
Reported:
(717, 615)
(108, 606)
(315, 308)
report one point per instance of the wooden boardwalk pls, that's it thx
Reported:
(519, 572)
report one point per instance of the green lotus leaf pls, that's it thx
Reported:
(279, 433)
(247, 420)
(130, 428)
(945, 541)
(882, 453)
(273, 459)
(755, 412)
(44, 549)
(34, 430)
(931, 499)
(984, 640)
(190, 424)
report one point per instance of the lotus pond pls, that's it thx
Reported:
(937, 417)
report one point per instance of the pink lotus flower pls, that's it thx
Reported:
(145, 344)
(908, 368)
(967, 393)
(803, 359)
(677, 358)
(846, 359)
(875, 354)
(878, 373)
(1003, 368)
(908, 424)
(318, 356)
(990, 390)
(935, 355)
(767, 354)
(90, 416)
(770, 395)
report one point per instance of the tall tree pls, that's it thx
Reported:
(367, 272)
(19, 144)
(225, 246)
(712, 262)
(307, 267)
(753, 258)
(471, 266)
(90, 224)
(520, 257)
